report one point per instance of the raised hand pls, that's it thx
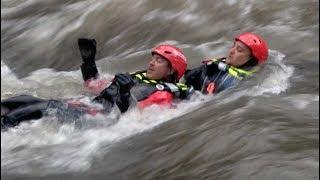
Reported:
(87, 49)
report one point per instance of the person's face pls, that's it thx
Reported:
(159, 68)
(238, 55)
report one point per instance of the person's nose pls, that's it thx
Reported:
(231, 50)
(152, 62)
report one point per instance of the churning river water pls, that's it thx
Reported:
(265, 128)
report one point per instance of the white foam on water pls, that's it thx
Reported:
(301, 101)
(189, 15)
(71, 149)
(9, 81)
(276, 82)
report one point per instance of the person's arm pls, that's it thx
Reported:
(162, 98)
(92, 81)
(118, 92)
(194, 77)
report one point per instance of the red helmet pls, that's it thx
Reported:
(258, 47)
(174, 55)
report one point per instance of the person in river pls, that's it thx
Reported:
(248, 52)
(156, 85)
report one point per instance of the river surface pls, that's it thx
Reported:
(265, 128)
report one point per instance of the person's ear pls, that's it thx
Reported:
(171, 71)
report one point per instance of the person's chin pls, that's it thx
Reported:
(148, 74)
(229, 60)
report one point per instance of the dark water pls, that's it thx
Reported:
(267, 128)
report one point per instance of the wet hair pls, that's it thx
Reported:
(250, 64)
(172, 78)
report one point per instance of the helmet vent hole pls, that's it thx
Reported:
(168, 52)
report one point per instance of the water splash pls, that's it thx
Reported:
(278, 80)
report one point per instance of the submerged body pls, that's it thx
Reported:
(25, 107)
(248, 52)
(157, 85)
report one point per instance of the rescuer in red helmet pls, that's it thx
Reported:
(156, 85)
(247, 53)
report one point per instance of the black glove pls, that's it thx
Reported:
(6, 123)
(124, 81)
(211, 69)
(87, 49)
(111, 96)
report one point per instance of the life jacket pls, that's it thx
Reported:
(144, 87)
(225, 77)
